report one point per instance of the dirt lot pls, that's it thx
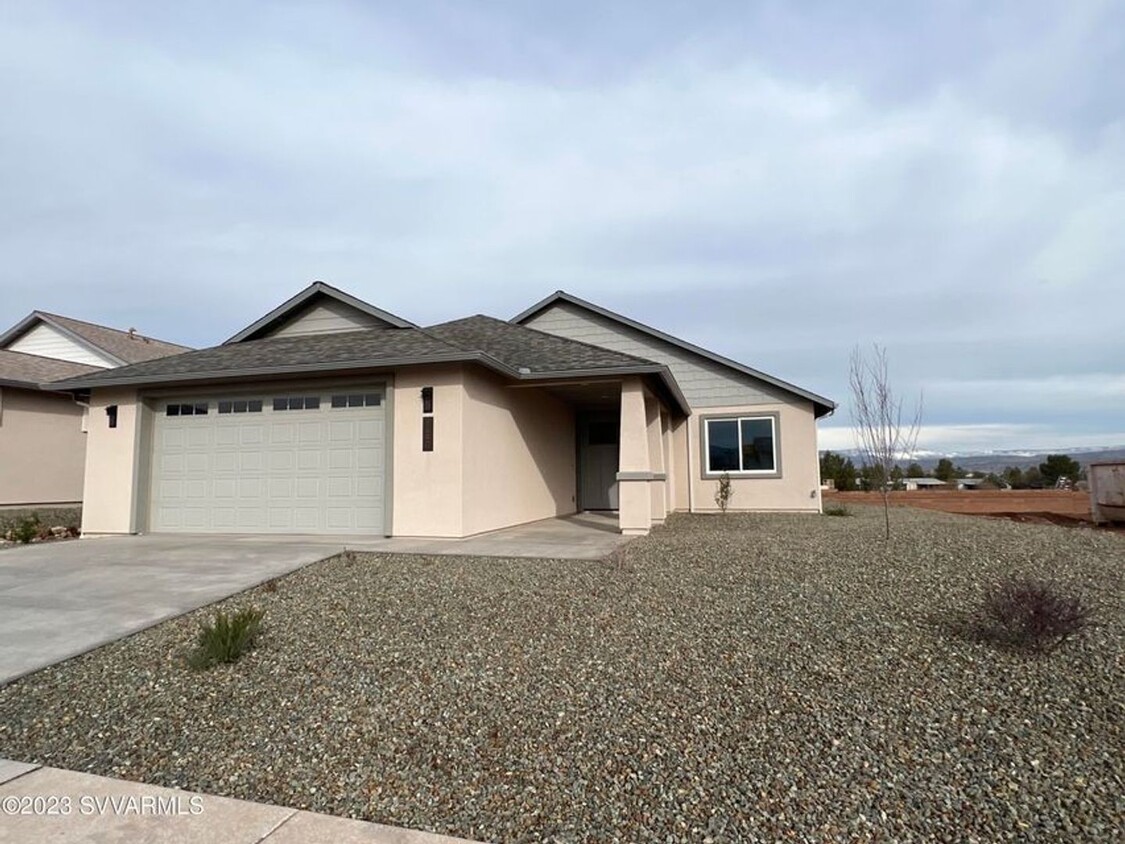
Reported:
(1059, 507)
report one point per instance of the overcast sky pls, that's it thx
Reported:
(774, 181)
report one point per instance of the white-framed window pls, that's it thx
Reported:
(741, 445)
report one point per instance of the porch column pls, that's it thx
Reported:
(656, 459)
(669, 469)
(634, 469)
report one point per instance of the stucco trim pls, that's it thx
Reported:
(636, 476)
(706, 475)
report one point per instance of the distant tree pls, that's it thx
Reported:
(1014, 476)
(1058, 466)
(839, 469)
(896, 477)
(1032, 478)
(915, 470)
(993, 481)
(880, 430)
(945, 471)
(871, 477)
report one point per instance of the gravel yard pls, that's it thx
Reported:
(739, 677)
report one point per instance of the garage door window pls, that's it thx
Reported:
(241, 406)
(357, 400)
(297, 403)
(195, 409)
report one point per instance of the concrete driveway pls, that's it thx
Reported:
(60, 599)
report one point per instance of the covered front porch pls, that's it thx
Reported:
(624, 447)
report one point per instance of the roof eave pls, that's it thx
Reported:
(821, 405)
(314, 289)
(81, 383)
(656, 369)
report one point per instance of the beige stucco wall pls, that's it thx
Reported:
(427, 486)
(798, 488)
(519, 454)
(501, 457)
(111, 464)
(42, 448)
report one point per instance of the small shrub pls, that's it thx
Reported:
(724, 492)
(226, 637)
(26, 529)
(1032, 615)
(836, 510)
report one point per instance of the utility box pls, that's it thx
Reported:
(1107, 491)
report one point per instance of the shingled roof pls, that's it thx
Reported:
(523, 348)
(122, 346)
(18, 369)
(515, 351)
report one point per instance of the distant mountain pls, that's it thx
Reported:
(997, 460)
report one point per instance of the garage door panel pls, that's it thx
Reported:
(195, 462)
(308, 460)
(170, 463)
(225, 462)
(281, 433)
(227, 435)
(250, 489)
(253, 434)
(368, 458)
(197, 437)
(310, 469)
(368, 487)
(280, 488)
(173, 437)
(224, 518)
(251, 461)
(280, 461)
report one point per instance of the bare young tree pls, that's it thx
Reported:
(880, 432)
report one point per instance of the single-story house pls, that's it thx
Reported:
(331, 416)
(43, 431)
(923, 483)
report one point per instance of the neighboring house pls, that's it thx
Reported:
(331, 416)
(922, 483)
(42, 432)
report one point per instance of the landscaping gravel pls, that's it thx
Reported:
(728, 678)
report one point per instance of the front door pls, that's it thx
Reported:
(598, 457)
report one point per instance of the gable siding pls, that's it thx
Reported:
(49, 342)
(327, 316)
(703, 382)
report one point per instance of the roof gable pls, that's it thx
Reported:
(708, 363)
(66, 338)
(319, 309)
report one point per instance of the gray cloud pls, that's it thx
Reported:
(774, 181)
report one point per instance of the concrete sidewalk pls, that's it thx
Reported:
(50, 804)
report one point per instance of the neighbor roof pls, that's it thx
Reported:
(318, 288)
(18, 369)
(515, 351)
(123, 347)
(822, 406)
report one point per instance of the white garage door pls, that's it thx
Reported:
(285, 462)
